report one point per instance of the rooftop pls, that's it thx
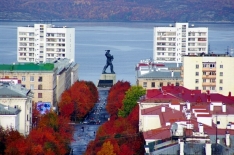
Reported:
(9, 90)
(27, 67)
(6, 110)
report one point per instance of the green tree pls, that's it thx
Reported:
(130, 100)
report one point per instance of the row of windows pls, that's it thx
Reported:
(39, 87)
(209, 66)
(31, 78)
(209, 73)
(209, 88)
(210, 81)
(160, 84)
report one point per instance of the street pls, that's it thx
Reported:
(86, 131)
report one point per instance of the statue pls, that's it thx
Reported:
(109, 59)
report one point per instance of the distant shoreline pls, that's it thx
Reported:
(63, 20)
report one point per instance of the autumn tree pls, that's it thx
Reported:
(130, 100)
(77, 101)
(115, 98)
(107, 149)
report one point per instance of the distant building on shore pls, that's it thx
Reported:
(174, 41)
(44, 42)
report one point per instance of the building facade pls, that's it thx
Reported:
(17, 102)
(174, 41)
(213, 72)
(44, 42)
(47, 81)
(154, 76)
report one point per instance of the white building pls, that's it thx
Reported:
(174, 41)
(14, 96)
(9, 117)
(43, 42)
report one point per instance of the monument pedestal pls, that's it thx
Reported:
(107, 80)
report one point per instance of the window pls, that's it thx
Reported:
(204, 80)
(161, 84)
(40, 79)
(23, 78)
(27, 117)
(221, 74)
(212, 88)
(221, 81)
(153, 84)
(204, 88)
(197, 73)
(177, 84)
(220, 88)
(197, 66)
(31, 86)
(221, 66)
(144, 84)
(31, 78)
(196, 88)
(196, 81)
(39, 95)
(39, 87)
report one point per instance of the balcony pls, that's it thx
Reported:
(209, 76)
(208, 69)
(209, 84)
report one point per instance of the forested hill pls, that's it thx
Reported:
(118, 10)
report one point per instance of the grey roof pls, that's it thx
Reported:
(6, 110)
(161, 74)
(9, 90)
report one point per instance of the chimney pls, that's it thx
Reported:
(227, 139)
(223, 107)
(211, 107)
(163, 109)
(188, 105)
(201, 128)
(172, 74)
(181, 147)
(208, 148)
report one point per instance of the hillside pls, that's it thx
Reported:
(118, 10)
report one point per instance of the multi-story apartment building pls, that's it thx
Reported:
(17, 103)
(47, 81)
(44, 42)
(174, 41)
(213, 72)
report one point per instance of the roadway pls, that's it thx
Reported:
(85, 131)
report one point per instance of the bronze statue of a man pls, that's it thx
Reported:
(109, 59)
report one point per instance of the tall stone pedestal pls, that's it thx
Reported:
(107, 80)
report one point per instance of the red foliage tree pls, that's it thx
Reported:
(115, 98)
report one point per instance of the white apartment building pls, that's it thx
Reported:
(44, 42)
(213, 72)
(174, 41)
(17, 103)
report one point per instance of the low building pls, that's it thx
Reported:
(16, 101)
(151, 75)
(175, 113)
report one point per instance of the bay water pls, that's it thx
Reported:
(128, 42)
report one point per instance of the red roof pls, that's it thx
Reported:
(170, 115)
